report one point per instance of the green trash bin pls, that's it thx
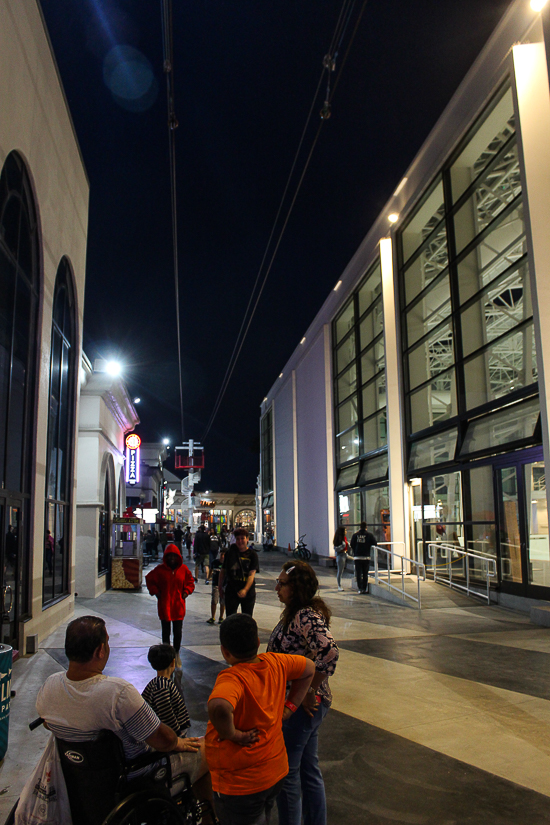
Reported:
(5, 694)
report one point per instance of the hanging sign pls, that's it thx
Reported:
(133, 442)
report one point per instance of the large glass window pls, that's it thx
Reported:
(60, 438)
(467, 316)
(19, 273)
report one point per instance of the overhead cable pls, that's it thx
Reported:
(245, 325)
(168, 68)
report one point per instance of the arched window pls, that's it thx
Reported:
(19, 275)
(60, 438)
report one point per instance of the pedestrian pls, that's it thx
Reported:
(218, 596)
(171, 582)
(304, 630)
(340, 544)
(238, 574)
(361, 544)
(163, 539)
(214, 549)
(244, 743)
(188, 538)
(178, 537)
(202, 552)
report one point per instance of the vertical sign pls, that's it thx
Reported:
(133, 442)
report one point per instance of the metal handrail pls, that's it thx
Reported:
(451, 550)
(391, 554)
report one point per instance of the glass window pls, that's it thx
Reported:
(437, 449)
(427, 313)
(371, 289)
(482, 503)
(514, 423)
(374, 395)
(372, 361)
(347, 477)
(345, 353)
(501, 248)
(344, 321)
(347, 414)
(509, 364)
(487, 141)
(432, 356)
(375, 432)
(374, 469)
(433, 402)
(495, 189)
(347, 445)
(376, 512)
(61, 404)
(510, 542)
(442, 498)
(347, 383)
(422, 224)
(502, 306)
(371, 325)
(427, 266)
(349, 508)
(537, 524)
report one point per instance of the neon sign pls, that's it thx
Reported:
(133, 442)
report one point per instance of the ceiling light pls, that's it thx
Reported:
(137, 400)
(303, 340)
(281, 375)
(166, 441)
(393, 218)
(338, 285)
(538, 5)
(400, 187)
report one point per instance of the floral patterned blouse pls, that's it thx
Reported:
(308, 635)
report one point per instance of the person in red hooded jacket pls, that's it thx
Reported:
(171, 582)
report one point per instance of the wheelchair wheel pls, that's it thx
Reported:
(144, 808)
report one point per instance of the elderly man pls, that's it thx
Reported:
(238, 574)
(78, 704)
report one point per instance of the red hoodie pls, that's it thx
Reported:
(171, 586)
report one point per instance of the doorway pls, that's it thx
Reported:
(10, 569)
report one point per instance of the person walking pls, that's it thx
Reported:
(188, 538)
(178, 538)
(163, 539)
(202, 552)
(238, 573)
(361, 544)
(303, 630)
(340, 544)
(171, 582)
(213, 551)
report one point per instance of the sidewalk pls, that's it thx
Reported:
(438, 717)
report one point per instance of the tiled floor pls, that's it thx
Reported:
(439, 717)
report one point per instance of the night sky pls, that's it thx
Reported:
(245, 77)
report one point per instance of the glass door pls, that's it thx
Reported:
(10, 565)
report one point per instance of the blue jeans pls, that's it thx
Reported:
(250, 809)
(304, 786)
(340, 567)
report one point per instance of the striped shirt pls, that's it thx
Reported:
(168, 703)
(78, 711)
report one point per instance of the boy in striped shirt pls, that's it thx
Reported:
(162, 694)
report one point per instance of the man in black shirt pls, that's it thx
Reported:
(178, 537)
(361, 544)
(237, 575)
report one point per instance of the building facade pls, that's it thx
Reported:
(106, 414)
(43, 229)
(417, 399)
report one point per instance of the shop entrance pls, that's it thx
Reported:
(495, 509)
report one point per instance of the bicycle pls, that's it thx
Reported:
(301, 551)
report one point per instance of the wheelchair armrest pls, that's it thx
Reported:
(145, 760)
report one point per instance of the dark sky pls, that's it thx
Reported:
(245, 75)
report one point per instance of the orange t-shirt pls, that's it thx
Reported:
(257, 694)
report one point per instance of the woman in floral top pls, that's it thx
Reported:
(303, 630)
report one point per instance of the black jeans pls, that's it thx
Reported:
(248, 809)
(165, 625)
(232, 601)
(362, 573)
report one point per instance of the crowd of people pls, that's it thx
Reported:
(266, 709)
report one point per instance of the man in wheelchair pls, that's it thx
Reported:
(81, 703)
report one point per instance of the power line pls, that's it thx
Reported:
(328, 66)
(168, 67)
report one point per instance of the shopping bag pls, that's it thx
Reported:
(44, 799)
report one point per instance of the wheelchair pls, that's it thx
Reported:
(102, 790)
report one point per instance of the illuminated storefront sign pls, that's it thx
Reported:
(133, 442)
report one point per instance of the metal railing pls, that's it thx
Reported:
(450, 553)
(404, 561)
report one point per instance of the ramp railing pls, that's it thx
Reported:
(485, 567)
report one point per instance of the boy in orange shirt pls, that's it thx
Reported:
(245, 749)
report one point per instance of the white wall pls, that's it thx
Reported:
(284, 466)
